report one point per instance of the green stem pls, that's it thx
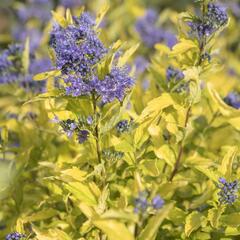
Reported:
(181, 148)
(97, 135)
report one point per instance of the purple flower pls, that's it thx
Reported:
(114, 85)
(228, 191)
(89, 120)
(39, 9)
(233, 100)
(82, 136)
(152, 34)
(71, 3)
(141, 64)
(157, 202)
(20, 34)
(55, 120)
(141, 202)
(15, 236)
(78, 50)
(215, 18)
(174, 74)
(123, 126)
(77, 47)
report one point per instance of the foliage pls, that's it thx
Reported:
(120, 129)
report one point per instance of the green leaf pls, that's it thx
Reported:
(25, 56)
(124, 58)
(150, 231)
(41, 215)
(46, 75)
(101, 14)
(182, 47)
(113, 229)
(82, 192)
(59, 19)
(111, 123)
(232, 219)
(69, 18)
(74, 173)
(193, 222)
(214, 215)
(166, 153)
(119, 215)
(227, 162)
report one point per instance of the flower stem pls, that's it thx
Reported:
(97, 135)
(180, 152)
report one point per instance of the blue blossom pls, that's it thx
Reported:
(68, 126)
(233, 100)
(11, 69)
(71, 3)
(15, 236)
(89, 120)
(39, 9)
(228, 193)
(114, 85)
(10, 64)
(77, 46)
(141, 64)
(157, 202)
(174, 74)
(123, 126)
(215, 18)
(20, 34)
(152, 34)
(141, 202)
(82, 136)
(78, 50)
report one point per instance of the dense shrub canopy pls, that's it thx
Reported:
(119, 120)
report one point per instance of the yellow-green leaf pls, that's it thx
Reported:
(227, 162)
(150, 231)
(124, 58)
(46, 75)
(82, 192)
(41, 215)
(193, 222)
(183, 46)
(69, 18)
(25, 56)
(232, 219)
(101, 14)
(214, 215)
(114, 230)
(59, 19)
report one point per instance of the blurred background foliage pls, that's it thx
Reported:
(33, 150)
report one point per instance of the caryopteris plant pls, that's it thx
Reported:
(106, 158)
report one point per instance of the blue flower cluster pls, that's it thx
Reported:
(11, 68)
(78, 50)
(10, 64)
(77, 46)
(152, 34)
(15, 236)
(71, 3)
(141, 203)
(228, 191)
(123, 126)
(141, 64)
(39, 9)
(81, 128)
(215, 17)
(233, 100)
(174, 74)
